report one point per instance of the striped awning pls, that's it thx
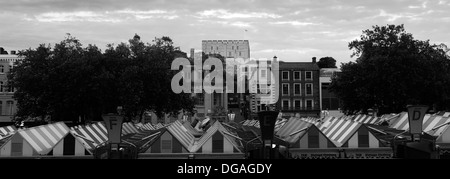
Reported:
(279, 124)
(6, 130)
(341, 130)
(44, 138)
(91, 135)
(181, 133)
(129, 128)
(148, 126)
(429, 122)
(366, 119)
(293, 129)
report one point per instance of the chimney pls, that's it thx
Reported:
(314, 59)
(192, 53)
(275, 58)
(13, 52)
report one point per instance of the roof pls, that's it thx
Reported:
(385, 134)
(5, 139)
(181, 133)
(341, 130)
(43, 138)
(293, 129)
(91, 135)
(299, 65)
(232, 137)
(145, 139)
(129, 128)
(147, 126)
(366, 119)
(6, 130)
(193, 131)
(432, 124)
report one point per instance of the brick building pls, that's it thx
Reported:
(299, 88)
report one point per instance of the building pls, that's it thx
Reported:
(227, 48)
(7, 103)
(207, 103)
(329, 100)
(299, 88)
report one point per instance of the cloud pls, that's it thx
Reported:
(105, 16)
(73, 16)
(294, 23)
(225, 14)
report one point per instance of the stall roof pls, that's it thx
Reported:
(145, 139)
(6, 130)
(233, 138)
(43, 138)
(366, 119)
(293, 129)
(341, 130)
(91, 135)
(181, 133)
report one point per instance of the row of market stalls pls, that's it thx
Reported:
(57, 139)
(359, 136)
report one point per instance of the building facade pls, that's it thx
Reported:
(227, 48)
(7, 103)
(329, 100)
(207, 103)
(299, 88)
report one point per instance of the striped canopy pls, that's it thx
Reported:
(43, 138)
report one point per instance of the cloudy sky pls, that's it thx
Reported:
(293, 30)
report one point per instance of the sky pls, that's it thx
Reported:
(292, 30)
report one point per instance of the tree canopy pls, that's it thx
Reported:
(69, 82)
(393, 70)
(327, 62)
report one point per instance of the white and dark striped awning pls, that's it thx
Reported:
(43, 138)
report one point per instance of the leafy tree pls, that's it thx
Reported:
(70, 82)
(327, 62)
(392, 71)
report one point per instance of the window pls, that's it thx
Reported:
(10, 67)
(285, 75)
(285, 104)
(237, 47)
(285, 89)
(1, 86)
(309, 104)
(308, 75)
(297, 89)
(263, 73)
(217, 48)
(211, 47)
(240, 54)
(296, 75)
(200, 99)
(2, 69)
(9, 107)
(1, 107)
(229, 54)
(297, 104)
(232, 47)
(309, 89)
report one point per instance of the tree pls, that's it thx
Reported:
(392, 71)
(327, 62)
(70, 82)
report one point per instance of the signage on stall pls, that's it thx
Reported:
(415, 117)
(114, 127)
